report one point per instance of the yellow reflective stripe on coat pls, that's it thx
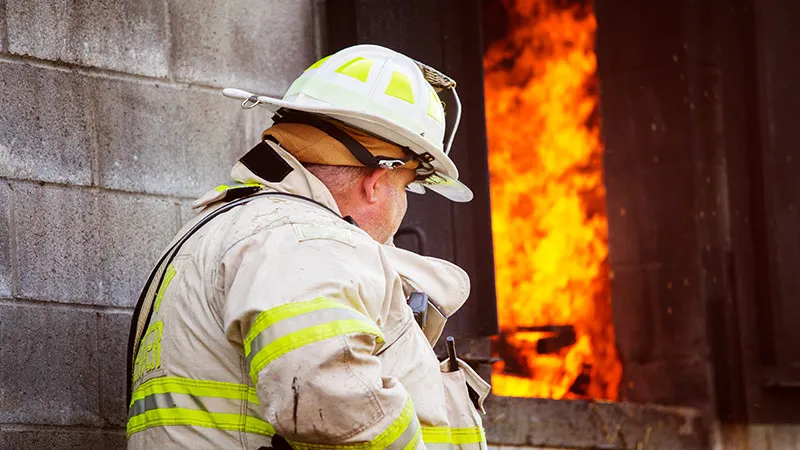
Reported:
(171, 272)
(224, 187)
(402, 434)
(287, 327)
(456, 436)
(171, 401)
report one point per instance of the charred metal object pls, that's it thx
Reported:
(451, 354)
(563, 336)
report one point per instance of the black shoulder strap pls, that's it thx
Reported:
(144, 307)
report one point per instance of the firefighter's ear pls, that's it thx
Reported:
(372, 183)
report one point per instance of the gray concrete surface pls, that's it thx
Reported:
(44, 131)
(111, 122)
(92, 246)
(545, 423)
(129, 37)
(49, 373)
(5, 244)
(60, 438)
(178, 142)
(261, 45)
(3, 31)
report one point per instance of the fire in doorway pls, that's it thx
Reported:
(548, 206)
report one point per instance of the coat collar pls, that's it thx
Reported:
(299, 181)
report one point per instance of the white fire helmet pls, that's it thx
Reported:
(388, 95)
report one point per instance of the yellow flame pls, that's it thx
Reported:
(548, 208)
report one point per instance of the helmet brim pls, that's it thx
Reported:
(445, 186)
(448, 185)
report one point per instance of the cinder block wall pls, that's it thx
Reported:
(111, 122)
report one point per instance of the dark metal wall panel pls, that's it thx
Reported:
(699, 108)
(463, 58)
(759, 364)
(777, 49)
(447, 35)
(660, 106)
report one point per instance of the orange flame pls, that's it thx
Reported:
(548, 204)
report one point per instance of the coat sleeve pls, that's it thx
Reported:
(304, 304)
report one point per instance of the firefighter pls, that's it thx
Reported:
(279, 316)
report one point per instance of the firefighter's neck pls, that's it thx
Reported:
(376, 200)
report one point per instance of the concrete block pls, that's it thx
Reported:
(187, 213)
(163, 140)
(509, 447)
(113, 356)
(49, 372)
(123, 36)
(90, 246)
(569, 424)
(260, 45)
(134, 231)
(44, 133)
(3, 30)
(785, 436)
(6, 271)
(63, 439)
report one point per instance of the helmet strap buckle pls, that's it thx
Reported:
(390, 164)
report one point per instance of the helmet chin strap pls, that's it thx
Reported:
(353, 146)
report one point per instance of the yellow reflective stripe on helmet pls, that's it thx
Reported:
(435, 110)
(314, 87)
(167, 278)
(357, 68)
(403, 433)
(317, 64)
(174, 401)
(400, 87)
(446, 435)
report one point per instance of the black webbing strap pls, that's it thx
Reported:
(144, 307)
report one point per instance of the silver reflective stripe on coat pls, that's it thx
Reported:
(279, 330)
(293, 324)
(175, 401)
